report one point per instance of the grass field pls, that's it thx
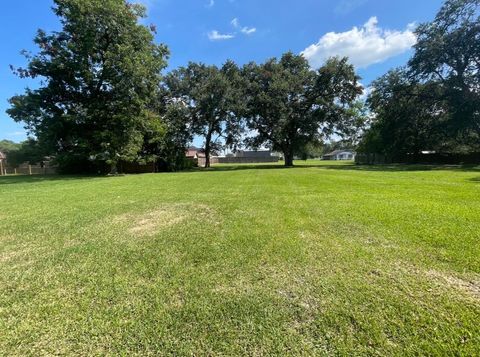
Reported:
(242, 260)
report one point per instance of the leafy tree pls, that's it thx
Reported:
(356, 122)
(168, 149)
(7, 146)
(99, 74)
(29, 151)
(408, 117)
(313, 150)
(289, 105)
(433, 104)
(448, 53)
(211, 97)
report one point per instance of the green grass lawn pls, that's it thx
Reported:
(321, 259)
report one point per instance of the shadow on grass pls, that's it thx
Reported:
(403, 167)
(21, 179)
(341, 166)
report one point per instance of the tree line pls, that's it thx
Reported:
(104, 100)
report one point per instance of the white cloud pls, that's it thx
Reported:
(211, 3)
(245, 29)
(248, 30)
(217, 36)
(235, 23)
(364, 46)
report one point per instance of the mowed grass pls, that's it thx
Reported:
(323, 259)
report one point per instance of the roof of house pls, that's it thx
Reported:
(193, 151)
(336, 152)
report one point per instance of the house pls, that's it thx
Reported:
(194, 153)
(339, 155)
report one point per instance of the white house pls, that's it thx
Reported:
(339, 155)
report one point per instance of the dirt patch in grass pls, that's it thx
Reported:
(151, 222)
(466, 287)
(469, 287)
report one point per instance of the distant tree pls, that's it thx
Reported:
(99, 74)
(313, 150)
(211, 98)
(29, 151)
(448, 53)
(289, 105)
(7, 146)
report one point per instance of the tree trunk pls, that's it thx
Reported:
(113, 168)
(208, 140)
(288, 155)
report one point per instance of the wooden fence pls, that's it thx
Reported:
(29, 170)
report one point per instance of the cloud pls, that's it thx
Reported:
(347, 6)
(245, 30)
(211, 3)
(235, 23)
(248, 30)
(364, 46)
(217, 36)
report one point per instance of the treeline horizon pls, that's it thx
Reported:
(104, 99)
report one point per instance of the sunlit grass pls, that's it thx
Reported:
(325, 258)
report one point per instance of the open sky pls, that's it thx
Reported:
(376, 34)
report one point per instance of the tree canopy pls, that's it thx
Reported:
(211, 97)
(289, 105)
(434, 103)
(448, 52)
(99, 74)
(8, 146)
(103, 98)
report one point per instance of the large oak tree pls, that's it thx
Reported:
(212, 98)
(290, 105)
(98, 75)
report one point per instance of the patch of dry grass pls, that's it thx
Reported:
(149, 223)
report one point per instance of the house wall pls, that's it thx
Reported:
(345, 156)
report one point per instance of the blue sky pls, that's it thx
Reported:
(376, 34)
